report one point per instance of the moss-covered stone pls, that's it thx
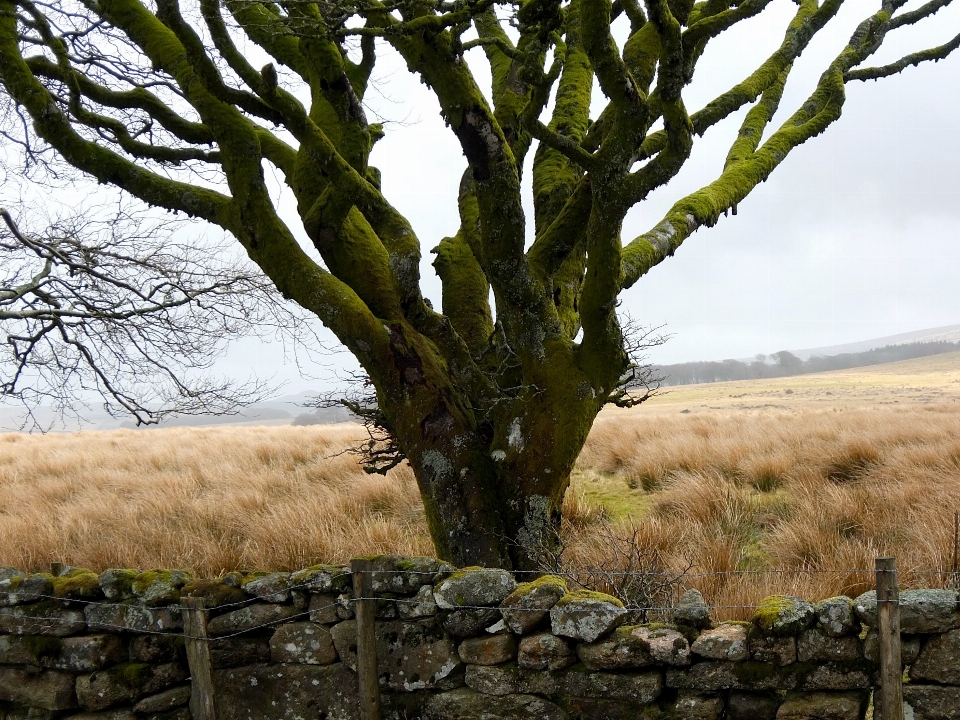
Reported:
(77, 583)
(215, 593)
(41, 646)
(125, 683)
(526, 607)
(783, 615)
(160, 587)
(323, 579)
(117, 583)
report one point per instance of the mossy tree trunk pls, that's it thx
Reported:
(490, 407)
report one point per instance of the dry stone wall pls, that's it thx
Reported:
(471, 644)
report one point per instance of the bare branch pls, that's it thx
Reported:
(121, 310)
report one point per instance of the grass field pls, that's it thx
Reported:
(819, 472)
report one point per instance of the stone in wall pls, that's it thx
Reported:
(323, 579)
(271, 588)
(586, 616)
(252, 617)
(406, 575)
(158, 649)
(727, 641)
(160, 587)
(164, 701)
(467, 623)
(526, 607)
(18, 588)
(493, 650)
(692, 611)
(783, 615)
(921, 611)
(713, 676)
(823, 706)
(752, 706)
(48, 690)
(108, 715)
(510, 679)
(323, 608)
(926, 702)
(303, 642)
(286, 692)
(10, 579)
(117, 583)
(909, 648)
(939, 661)
(642, 687)
(216, 593)
(836, 618)
(345, 606)
(126, 683)
(694, 706)
(132, 617)
(474, 587)
(465, 704)
(636, 646)
(816, 646)
(237, 651)
(686, 706)
(411, 655)
(754, 676)
(780, 651)
(545, 651)
(837, 676)
(420, 605)
(76, 654)
(47, 617)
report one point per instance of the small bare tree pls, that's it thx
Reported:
(114, 307)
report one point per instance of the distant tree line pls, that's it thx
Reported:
(785, 364)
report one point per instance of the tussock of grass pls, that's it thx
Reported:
(812, 489)
(817, 490)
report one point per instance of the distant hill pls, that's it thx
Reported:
(787, 364)
(947, 333)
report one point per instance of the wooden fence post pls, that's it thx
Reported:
(202, 705)
(365, 609)
(888, 629)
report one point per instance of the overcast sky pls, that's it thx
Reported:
(856, 235)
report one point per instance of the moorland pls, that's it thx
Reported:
(816, 474)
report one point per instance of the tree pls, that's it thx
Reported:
(490, 405)
(111, 306)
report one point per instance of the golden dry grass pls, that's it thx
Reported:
(817, 490)
(821, 483)
(209, 499)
